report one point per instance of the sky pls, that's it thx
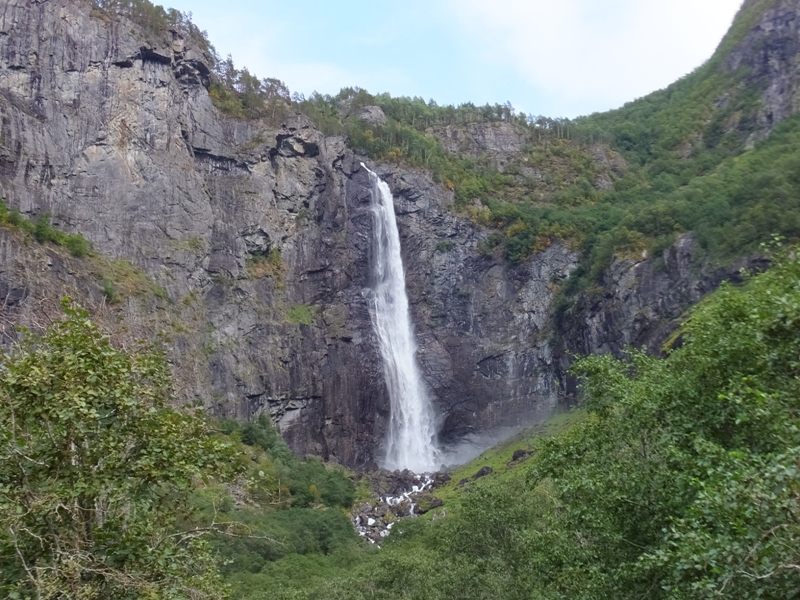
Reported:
(558, 58)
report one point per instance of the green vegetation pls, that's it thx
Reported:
(685, 168)
(95, 469)
(679, 478)
(294, 531)
(241, 95)
(155, 21)
(120, 279)
(445, 246)
(109, 290)
(107, 492)
(43, 231)
(500, 458)
(300, 315)
(673, 157)
(269, 265)
(681, 482)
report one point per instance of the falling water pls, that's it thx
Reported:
(412, 433)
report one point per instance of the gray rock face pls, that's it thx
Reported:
(769, 51)
(260, 239)
(640, 304)
(478, 138)
(373, 115)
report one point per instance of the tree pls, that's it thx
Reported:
(96, 469)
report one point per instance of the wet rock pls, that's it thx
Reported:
(483, 473)
(374, 520)
(520, 455)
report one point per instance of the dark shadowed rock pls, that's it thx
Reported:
(520, 455)
(483, 473)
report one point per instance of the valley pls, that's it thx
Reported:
(580, 333)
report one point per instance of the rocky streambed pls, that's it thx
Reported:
(395, 494)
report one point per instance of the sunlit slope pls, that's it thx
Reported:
(504, 461)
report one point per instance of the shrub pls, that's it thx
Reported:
(95, 469)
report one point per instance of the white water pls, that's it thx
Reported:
(411, 442)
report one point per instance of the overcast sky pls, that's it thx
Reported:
(550, 57)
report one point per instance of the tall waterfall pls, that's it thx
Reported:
(411, 442)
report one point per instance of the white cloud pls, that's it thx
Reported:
(585, 53)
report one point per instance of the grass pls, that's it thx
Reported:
(269, 265)
(499, 457)
(43, 231)
(300, 314)
(117, 279)
(120, 279)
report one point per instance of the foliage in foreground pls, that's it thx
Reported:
(107, 492)
(683, 482)
(95, 472)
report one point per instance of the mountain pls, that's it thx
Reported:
(235, 219)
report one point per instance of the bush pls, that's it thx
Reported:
(77, 245)
(43, 231)
(95, 469)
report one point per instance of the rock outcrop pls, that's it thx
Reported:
(640, 304)
(768, 51)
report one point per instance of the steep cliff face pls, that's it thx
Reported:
(640, 304)
(255, 240)
(769, 52)
(260, 238)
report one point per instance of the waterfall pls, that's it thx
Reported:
(411, 442)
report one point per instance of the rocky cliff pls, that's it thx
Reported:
(768, 51)
(249, 245)
(258, 238)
